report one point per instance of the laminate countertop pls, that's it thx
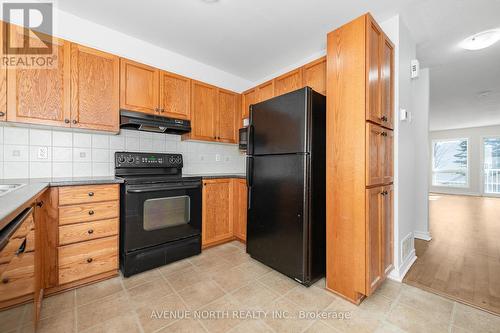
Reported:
(215, 175)
(12, 203)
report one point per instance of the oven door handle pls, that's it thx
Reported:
(157, 189)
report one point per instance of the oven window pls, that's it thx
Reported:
(166, 212)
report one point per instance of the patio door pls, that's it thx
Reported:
(491, 166)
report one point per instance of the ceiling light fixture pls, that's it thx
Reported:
(481, 40)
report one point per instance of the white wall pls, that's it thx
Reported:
(475, 136)
(84, 154)
(405, 134)
(422, 153)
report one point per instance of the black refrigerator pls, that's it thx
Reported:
(286, 184)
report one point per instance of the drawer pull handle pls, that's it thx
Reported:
(91, 231)
(5, 280)
(91, 212)
(89, 260)
(91, 194)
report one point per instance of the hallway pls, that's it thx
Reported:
(462, 261)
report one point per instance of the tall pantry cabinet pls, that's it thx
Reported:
(360, 107)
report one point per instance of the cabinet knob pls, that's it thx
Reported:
(384, 118)
(89, 260)
(75, 121)
(383, 133)
(66, 121)
(5, 280)
(162, 110)
(91, 212)
(39, 204)
(91, 194)
(90, 232)
(2, 114)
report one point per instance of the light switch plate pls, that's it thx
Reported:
(217, 158)
(43, 153)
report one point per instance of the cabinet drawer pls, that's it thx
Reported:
(71, 195)
(18, 277)
(75, 233)
(88, 212)
(25, 227)
(30, 241)
(9, 251)
(82, 260)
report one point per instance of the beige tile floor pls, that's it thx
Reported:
(225, 278)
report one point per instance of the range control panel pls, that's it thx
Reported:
(147, 160)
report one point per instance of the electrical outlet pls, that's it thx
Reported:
(43, 153)
(16, 153)
(217, 158)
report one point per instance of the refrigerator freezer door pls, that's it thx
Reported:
(276, 227)
(279, 125)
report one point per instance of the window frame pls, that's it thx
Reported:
(433, 171)
(481, 167)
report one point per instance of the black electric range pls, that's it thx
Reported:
(160, 220)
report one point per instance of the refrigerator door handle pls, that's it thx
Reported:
(249, 171)
(249, 204)
(250, 140)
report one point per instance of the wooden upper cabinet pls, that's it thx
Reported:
(288, 82)
(41, 95)
(374, 207)
(265, 91)
(248, 98)
(95, 95)
(373, 86)
(139, 87)
(217, 222)
(314, 75)
(204, 101)
(227, 117)
(388, 156)
(3, 78)
(387, 229)
(387, 83)
(240, 203)
(374, 155)
(175, 95)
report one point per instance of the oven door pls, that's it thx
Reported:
(154, 214)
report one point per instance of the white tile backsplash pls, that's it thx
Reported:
(83, 154)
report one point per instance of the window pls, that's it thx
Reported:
(491, 148)
(450, 163)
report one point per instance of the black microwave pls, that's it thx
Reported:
(243, 138)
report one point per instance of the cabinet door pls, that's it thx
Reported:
(387, 83)
(240, 208)
(204, 100)
(175, 95)
(373, 47)
(227, 117)
(41, 95)
(387, 157)
(265, 91)
(374, 154)
(288, 82)
(217, 224)
(95, 95)
(248, 98)
(387, 229)
(374, 248)
(314, 75)
(3, 79)
(139, 87)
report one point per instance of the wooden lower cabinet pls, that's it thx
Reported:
(224, 211)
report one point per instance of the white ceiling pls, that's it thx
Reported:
(248, 38)
(458, 77)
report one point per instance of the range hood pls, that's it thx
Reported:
(151, 123)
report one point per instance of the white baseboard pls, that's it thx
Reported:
(423, 235)
(399, 274)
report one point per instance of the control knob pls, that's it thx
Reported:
(130, 159)
(121, 159)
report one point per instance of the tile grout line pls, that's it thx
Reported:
(136, 316)
(452, 318)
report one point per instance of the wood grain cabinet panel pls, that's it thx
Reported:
(248, 98)
(18, 277)
(374, 238)
(240, 204)
(265, 91)
(70, 195)
(217, 223)
(10, 249)
(80, 232)
(388, 156)
(175, 95)
(88, 212)
(204, 101)
(387, 229)
(373, 64)
(387, 83)
(374, 154)
(227, 117)
(41, 95)
(3, 78)
(95, 92)
(314, 75)
(86, 259)
(288, 82)
(139, 87)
